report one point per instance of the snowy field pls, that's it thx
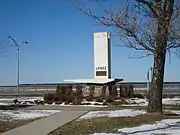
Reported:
(9, 115)
(144, 102)
(167, 126)
(91, 104)
(121, 113)
(115, 113)
(164, 127)
(10, 101)
(131, 101)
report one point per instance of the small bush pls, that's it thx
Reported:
(127, 91)
(110, 99)
(38, 102)
(66, 102)
(98, 99)
(70, 98)
(91, 90)
(116, 103)
(89, 98)
(97, 104)
(123, 101)
(48, 97)
(57, 96)
(79, 89)
(58, 102)
(77, 101)
(105, 103)
(49, 102)
(138, 96)
(86, 104)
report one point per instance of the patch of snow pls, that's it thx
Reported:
(136, 102)
(63, 104)
(177, 112)
(22, 99)
(164, 126)
(144, 102)
(4, 104)
(27, 114)
(115, 113)
(171, 101)
(7, 99)
(30, 98)
(167, 126)
(92, 102)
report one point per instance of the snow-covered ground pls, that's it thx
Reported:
(115, 113)
(22, 99)
(120, 113)
(28, 100)
(92, 102)
(130, 101)
(63, 104)
(1, 103)
(167, 126)
(171, 101)
(25, 114)
(144, 102)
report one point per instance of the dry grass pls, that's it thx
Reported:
(119, 107)
(105, 124)
(13, 124)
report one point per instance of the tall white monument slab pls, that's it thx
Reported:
(102, 56)
(102, 61)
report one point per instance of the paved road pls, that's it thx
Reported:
(48, 124)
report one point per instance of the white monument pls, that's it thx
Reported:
(102, 61)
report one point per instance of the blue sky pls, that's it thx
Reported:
(61, 45)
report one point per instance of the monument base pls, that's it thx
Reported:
(95, 81)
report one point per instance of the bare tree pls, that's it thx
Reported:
(149, 26)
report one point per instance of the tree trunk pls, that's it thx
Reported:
(155, 93)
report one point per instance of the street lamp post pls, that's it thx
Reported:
(17, 45)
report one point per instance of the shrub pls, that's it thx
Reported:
(123, 101)
(58, 102)
(49, 102)
(103, 93)
(57, 96)
(16, 101)
(86, 104)
(89, 98)
(114, 91)
(66, 102)
(78, 89)
(98, 99)
(116, 103)
(110, 99)
(127, 91)
(97, 104)
(38, 102)
(105, 103)
(70, 98)
(91, 90)
(77, 100)
(138, 96)
(48, 97)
